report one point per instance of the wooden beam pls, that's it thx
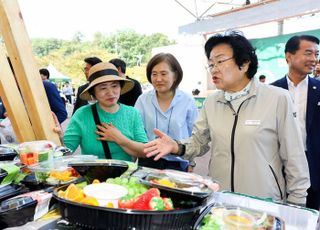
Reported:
(13, 102)
(27, 72)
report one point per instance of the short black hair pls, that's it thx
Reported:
(117, 62)
(173, 64)
(243, 52)
(45, 72)
(92, 60)
(293, 43)
(262, 77)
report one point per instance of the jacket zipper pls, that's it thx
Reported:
(275, 177)
(232, 141)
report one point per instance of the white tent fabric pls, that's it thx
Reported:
(55, 75)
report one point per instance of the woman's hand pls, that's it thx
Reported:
(108, 132)
(57, 129)
(161, 146)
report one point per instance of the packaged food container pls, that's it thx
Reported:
(53, 173)
(7, 153)
(96, 217)
(107, 195)
(20, 209)
(11, 190)
(17, 211)
(100, 169)
(181, 182)
(57, 171)
(36, 151)
(237, 219)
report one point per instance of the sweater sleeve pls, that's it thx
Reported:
(72, 135)
(139, 131)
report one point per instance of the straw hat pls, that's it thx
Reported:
(103, 72)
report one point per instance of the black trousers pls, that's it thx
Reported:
(313, 199)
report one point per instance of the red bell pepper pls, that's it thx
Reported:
(125, 202)
(142, 201)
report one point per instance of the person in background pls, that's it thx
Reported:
(68, 92)
(251, 128)
(302, 54)
(56, 104)
(106, 128)
(89, 62)
(262, 78)
(166, 107)
(128, 98)
(316, 72)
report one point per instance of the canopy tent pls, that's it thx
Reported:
(56, 76)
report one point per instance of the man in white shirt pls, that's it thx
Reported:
(301, 54)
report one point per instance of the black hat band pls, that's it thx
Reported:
(103, 73)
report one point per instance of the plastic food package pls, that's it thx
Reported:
(7, 135)
(35, 151)
(294, 217)
(57, 171)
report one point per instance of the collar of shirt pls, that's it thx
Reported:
(174, 101)
(239, 94)
(303, 83)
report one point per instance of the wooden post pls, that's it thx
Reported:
(13, 102)
(26, 71)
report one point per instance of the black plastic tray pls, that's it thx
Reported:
(146, 178)
(18, 216)
(11, 190)
(101, 170)
(7, 153)
(86, 216)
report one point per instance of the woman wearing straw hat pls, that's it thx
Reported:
(106, 128)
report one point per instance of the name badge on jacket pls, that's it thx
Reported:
(252, 122)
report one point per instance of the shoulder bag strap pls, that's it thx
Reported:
(97, 121)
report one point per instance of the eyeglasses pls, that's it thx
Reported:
(218, 63)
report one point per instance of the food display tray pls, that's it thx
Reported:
(93, 217)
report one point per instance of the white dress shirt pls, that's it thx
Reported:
(299, 96)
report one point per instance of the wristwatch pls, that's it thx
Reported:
(181, 149)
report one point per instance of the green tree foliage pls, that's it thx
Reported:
(42, 47)
(129, 45)
(68, 56)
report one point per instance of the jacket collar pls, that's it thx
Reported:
(252, 92)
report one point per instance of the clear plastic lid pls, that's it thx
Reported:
(36, 146)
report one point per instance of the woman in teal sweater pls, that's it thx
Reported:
(120, 125)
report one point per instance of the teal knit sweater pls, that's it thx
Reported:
(81, 130)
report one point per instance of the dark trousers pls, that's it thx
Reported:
(69, 98)
(313, 199)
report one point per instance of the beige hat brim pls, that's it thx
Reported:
(128, 85)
